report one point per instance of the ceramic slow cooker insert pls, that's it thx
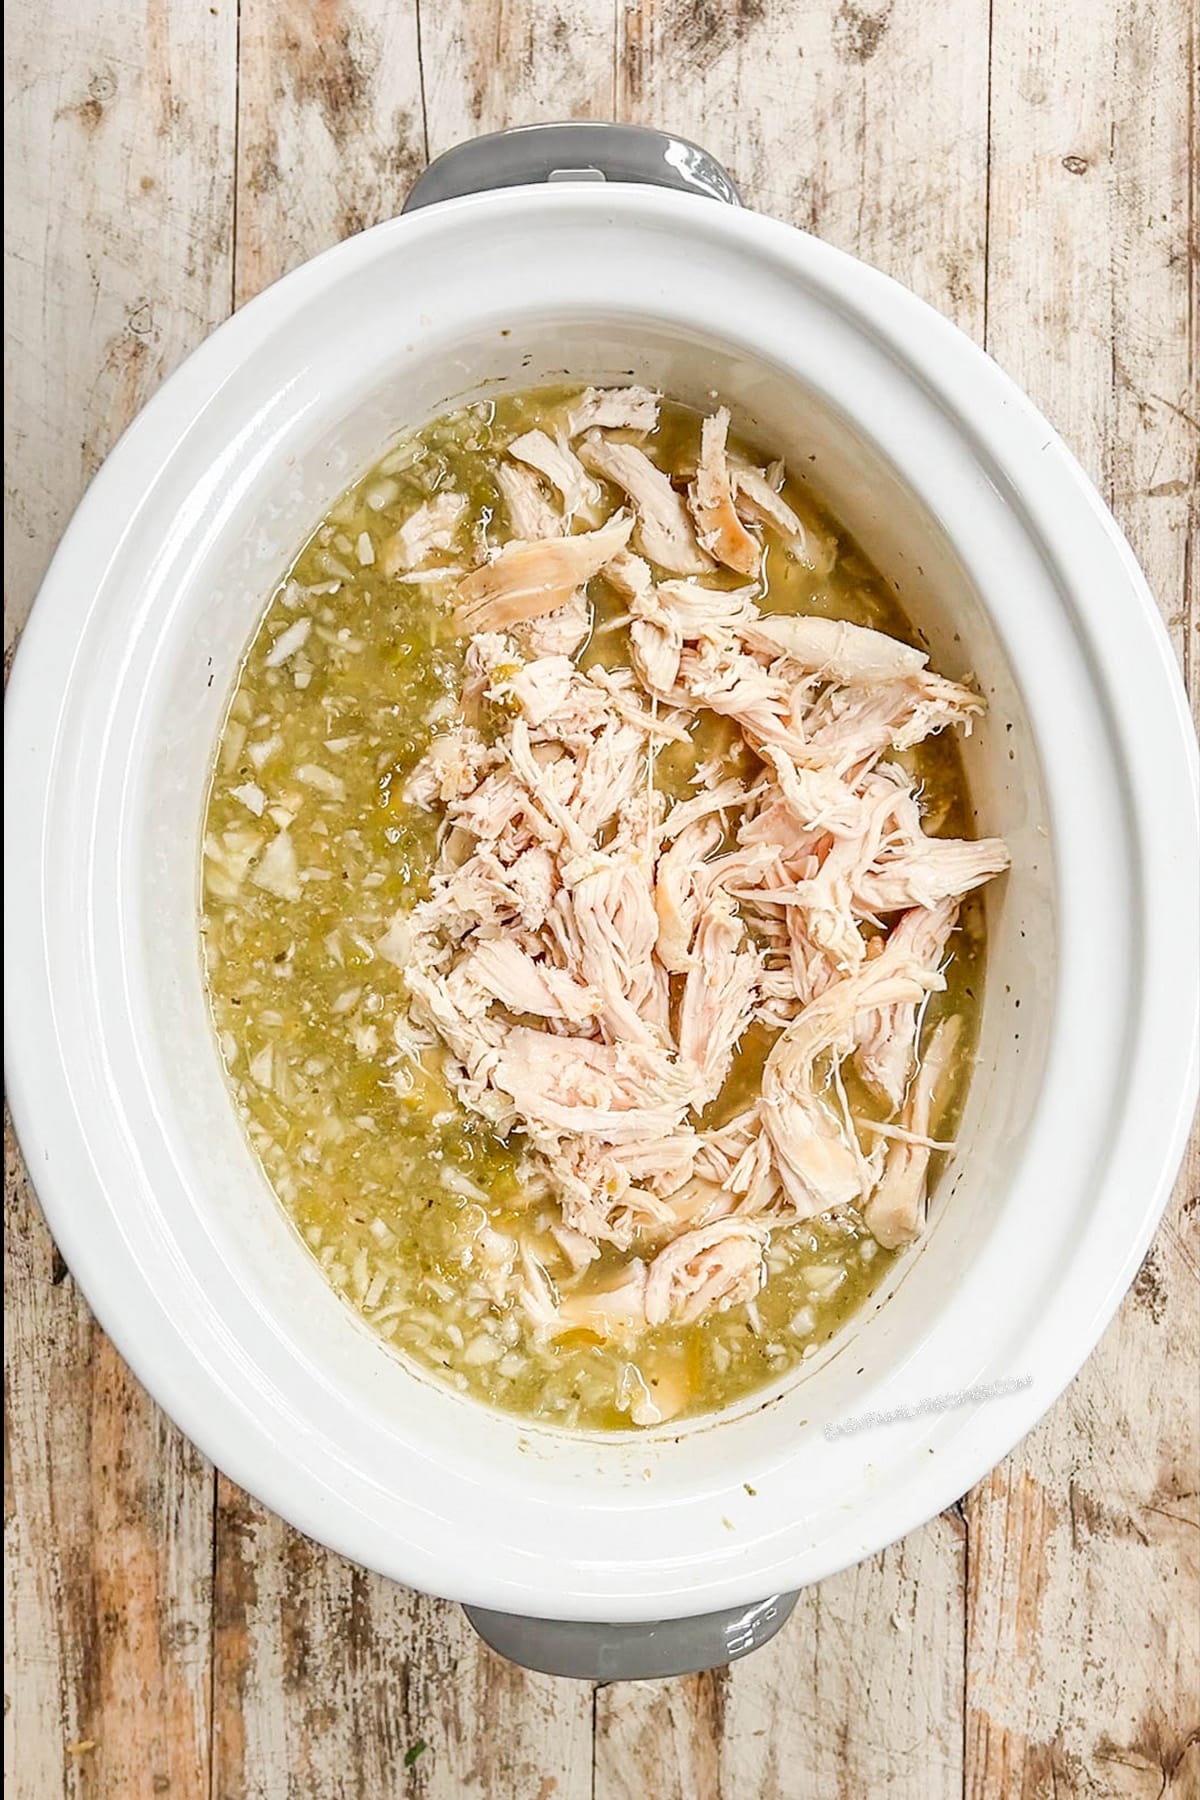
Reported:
(1005, 557)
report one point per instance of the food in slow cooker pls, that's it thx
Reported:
(590, 909)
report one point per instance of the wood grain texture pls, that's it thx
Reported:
(1025, 168)
(108, 1550)
(1088, 1538)
(119, 217)
(514, 62)
(118, 176)
(327, 1679)
(1083, 1647)
(866, 124)
(859, 1695)
(330, 127)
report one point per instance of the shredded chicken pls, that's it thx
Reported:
(664, 531)
(615, 409)
(887, 1036)
(596, 943)
(895, 1211)
(530, 513)
(433, 526)
(675, 899)
(835, 650)
(820, 1165)
(757, 501)
(561, 468)
(718, 526)
(557, 633)
(703, 1271)
(528, 579)
(719, 993)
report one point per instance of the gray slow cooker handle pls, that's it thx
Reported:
(520, 158)
(587, 151)
(632, 1652)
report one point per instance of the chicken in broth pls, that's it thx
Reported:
(590, 908)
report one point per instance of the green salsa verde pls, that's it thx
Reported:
(383, 1173)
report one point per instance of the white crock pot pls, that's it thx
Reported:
(1002, 552)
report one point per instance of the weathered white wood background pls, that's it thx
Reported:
(1026, 165)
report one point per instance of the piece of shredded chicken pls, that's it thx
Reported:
(593, 950)
(720, 530)
(664, 530)
(528, 579)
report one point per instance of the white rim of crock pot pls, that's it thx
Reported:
(1133, 669)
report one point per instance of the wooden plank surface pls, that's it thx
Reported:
(1027, 170)
(794, 1719)
(108, 1550)
(514, 62)
(119, 131)
(1088, 1537)
(331, 130)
